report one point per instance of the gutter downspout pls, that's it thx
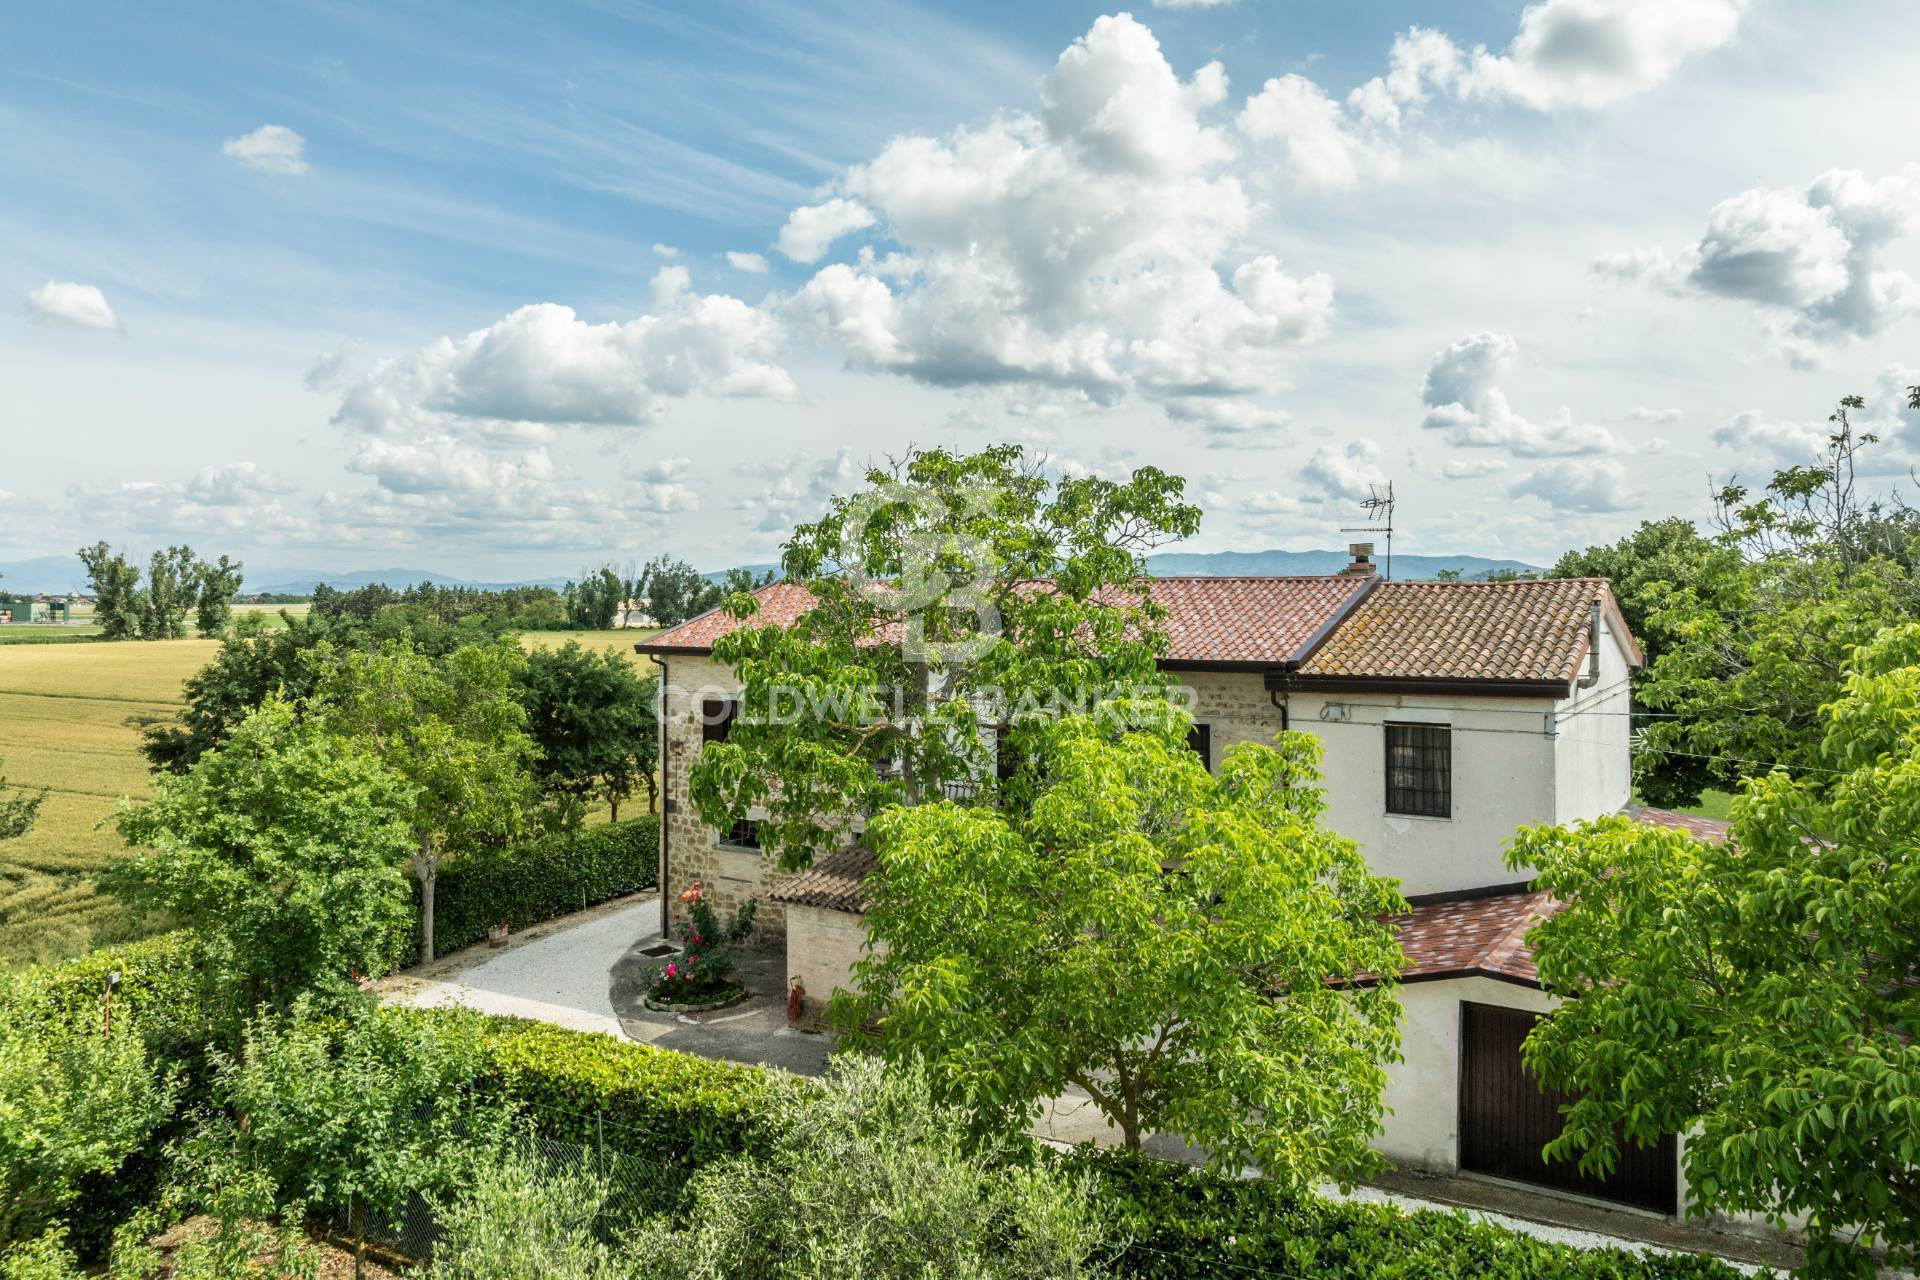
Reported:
(1592, 677)
(666, 801)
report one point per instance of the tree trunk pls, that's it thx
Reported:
(359, 1238)
(613, 809)
(427, 870)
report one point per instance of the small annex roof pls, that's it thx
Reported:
(1533, 630)
(1487, 936)
(836, 882)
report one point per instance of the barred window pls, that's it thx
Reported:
(1420, 770)
(1200, 741)
(744, 834)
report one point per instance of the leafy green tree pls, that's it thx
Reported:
(952, 593)
(117, 600)
(172, 589)
(676, 591)
(18, 813)
(875, 1179)
(249, 667)
(73, 1103)
(1183, 946)
(283, 848)
(1822, 569)
(361, 1111)
(454, 732)
(1647, 569)
(1759, 994)
(215, 583)
(595, 599)
(591, 715)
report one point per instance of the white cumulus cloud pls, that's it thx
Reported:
(1585, 485)
(809, 232)
(1463, 401)
(1349, 474)
(1088, 253)
(752, 263)
(543, 365)
(76, 306)
(1755, 437)
(329, 372)
(1808, 258)
(272, 148)
(1588, 53)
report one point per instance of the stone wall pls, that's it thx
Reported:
(690, 849)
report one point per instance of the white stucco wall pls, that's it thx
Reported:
(1422, 1097)
(822, 947)
(1593, 740)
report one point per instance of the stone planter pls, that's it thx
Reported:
(497, 935)
(707, 1006)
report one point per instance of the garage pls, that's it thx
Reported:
(1506, 1118)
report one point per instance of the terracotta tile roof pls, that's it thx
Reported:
(1489, 935)
(1533, 630)
(1712, 830)
(1473, 936)
(1254, 620)
(835, 882)
(780, 604)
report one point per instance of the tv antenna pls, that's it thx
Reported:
(1378, 504)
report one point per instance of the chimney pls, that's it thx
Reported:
(1362, 553)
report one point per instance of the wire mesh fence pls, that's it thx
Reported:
(624, 1188)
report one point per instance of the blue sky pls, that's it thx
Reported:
(1548, 268)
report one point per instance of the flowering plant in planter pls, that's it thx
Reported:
(701, 973)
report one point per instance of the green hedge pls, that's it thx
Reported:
(656, 1105)
(161, 990)
(542, 879)
(1182, 1223)
(673, 1111)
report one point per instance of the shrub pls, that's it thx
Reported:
(1173, 1222)
(520, 1220)
(708, 951)
(542, 879)
(73, 1105)
(872, 1178)
(668, 1110)
(162, 988)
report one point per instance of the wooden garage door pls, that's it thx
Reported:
(1506, 1118)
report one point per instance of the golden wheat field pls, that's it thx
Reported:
(70, 721)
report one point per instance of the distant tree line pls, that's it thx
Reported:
(177, 582)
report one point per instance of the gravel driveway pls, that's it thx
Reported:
(559, 973)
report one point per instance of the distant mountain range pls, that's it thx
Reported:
(1278, 564)
(60, 574)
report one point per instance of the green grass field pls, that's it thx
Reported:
(621, 640)
(70, 721)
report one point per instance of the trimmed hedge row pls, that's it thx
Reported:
(671, 1109)
(541, 879)
(161, 989)
(1182, 1223)
(672, 1113)
(657, 1105)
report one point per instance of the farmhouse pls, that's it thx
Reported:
(1450, 713)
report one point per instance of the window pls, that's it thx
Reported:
(1420, 770)
(744, 834)
(1200, 741)
(716, 718)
